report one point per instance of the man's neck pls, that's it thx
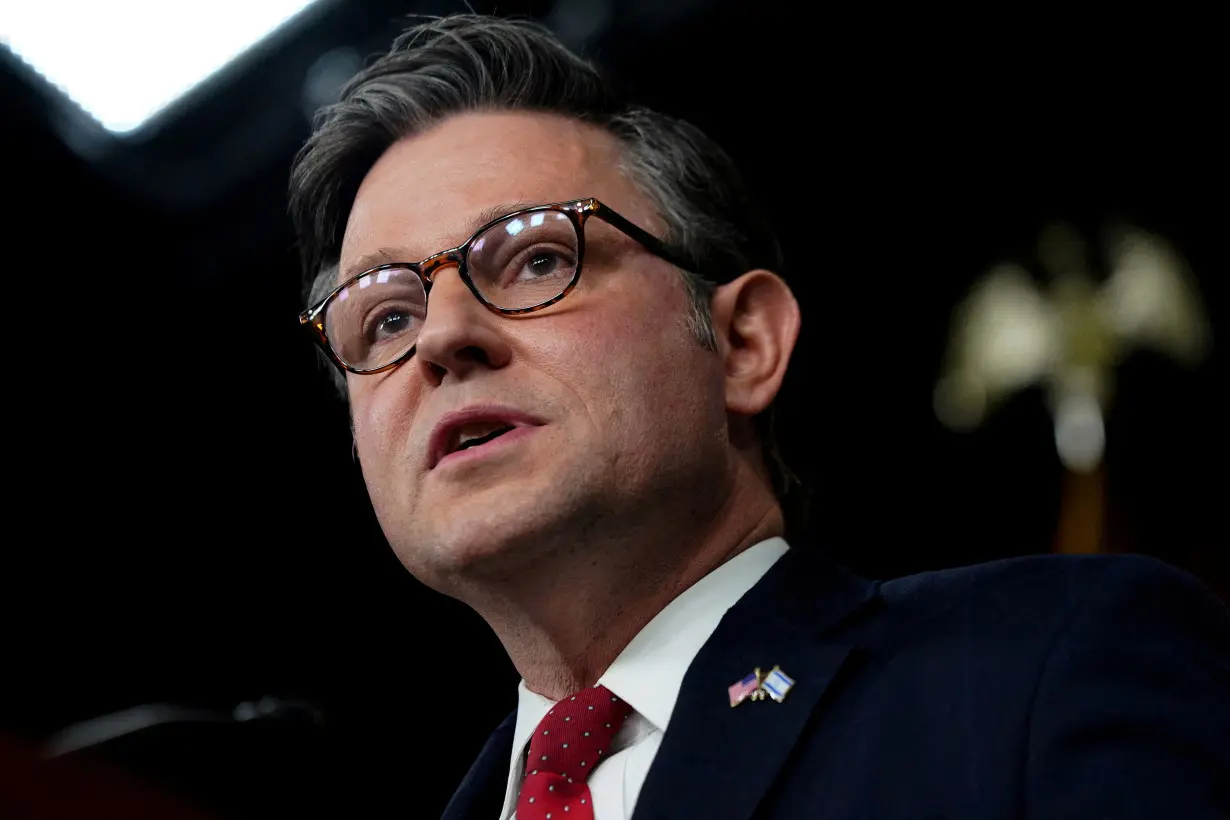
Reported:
(563, 629)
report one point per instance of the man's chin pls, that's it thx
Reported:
(489, 549)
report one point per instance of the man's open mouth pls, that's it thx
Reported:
(474, 435)
(473, 427)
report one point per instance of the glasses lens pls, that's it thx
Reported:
(376, 319)
(524, 260)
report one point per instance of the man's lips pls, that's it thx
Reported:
(445, 434)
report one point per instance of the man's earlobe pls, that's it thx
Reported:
(757, 320)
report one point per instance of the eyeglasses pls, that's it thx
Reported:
(522, 262)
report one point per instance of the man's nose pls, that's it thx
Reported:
(459, 334)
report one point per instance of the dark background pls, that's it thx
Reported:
(186, 523)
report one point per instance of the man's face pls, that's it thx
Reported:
(622, 411)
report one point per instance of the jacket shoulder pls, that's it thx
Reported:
(1056, 582)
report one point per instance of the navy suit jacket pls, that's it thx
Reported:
(1044, 687)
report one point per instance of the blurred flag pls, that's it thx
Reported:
(741, 690)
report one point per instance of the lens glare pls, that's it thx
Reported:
(524, 260)
(376, 319)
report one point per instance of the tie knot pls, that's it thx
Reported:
(576, 733)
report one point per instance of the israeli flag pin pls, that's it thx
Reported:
(777, 683)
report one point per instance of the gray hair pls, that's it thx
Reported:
(445, 66)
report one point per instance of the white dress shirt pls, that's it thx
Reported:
(647, 676)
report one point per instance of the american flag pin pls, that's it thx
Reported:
(743, 689)
(777, 683)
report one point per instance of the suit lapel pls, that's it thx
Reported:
(481, 793)
(716, 761)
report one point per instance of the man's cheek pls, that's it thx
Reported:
(385, 415)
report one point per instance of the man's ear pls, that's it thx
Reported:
(756, 320)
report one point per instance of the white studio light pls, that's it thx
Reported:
(123, 61)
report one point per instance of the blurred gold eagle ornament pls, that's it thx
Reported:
(1068, 336)
(1010, 334)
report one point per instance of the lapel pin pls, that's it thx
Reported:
(777, 683)
(745, 688)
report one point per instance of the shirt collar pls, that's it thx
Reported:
(649, 672)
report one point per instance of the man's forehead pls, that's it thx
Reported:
(432, 190)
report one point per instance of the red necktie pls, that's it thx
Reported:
(568, 743)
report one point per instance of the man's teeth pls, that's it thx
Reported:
(473, 433)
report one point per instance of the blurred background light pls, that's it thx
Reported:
(122, 62)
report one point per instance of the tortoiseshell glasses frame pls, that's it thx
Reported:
(577, 212)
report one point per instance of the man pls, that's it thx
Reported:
(569, 437)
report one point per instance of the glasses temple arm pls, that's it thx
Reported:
(651, 242)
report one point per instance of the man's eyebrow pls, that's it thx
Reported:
(387, 255)
(494, 212)
(382, 256)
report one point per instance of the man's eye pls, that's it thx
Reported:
(542, 264)
(391, 323)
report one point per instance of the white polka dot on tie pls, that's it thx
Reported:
(546, 731)
(550, 788)
(534, 772)
(565, 745)
(567, 808)
(582, 799)
(582, 762)
(614, 700)
(548, 815)
(574, 697)
(567, 719)
(608, 726)
(587, 734)
(591, 708)
(544, 757)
